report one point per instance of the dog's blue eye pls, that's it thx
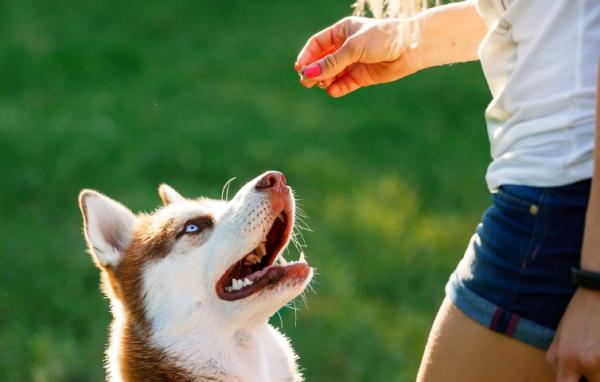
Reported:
(191, 228)
(197, 225)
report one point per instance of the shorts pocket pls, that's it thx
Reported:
(511, 202)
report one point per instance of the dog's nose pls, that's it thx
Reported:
(270, 179)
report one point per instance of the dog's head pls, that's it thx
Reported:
(198, 262)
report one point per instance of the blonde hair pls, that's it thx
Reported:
(380, 9)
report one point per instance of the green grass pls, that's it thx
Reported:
(120, 96)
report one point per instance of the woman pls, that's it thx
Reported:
(511, 312)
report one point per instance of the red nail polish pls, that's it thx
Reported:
(312, 71)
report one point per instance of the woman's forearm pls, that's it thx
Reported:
(590, 256)
(450, 34)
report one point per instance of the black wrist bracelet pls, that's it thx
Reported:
(585, 279)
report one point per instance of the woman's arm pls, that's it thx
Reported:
(575, 351)
(373, 51)
(590, 255)
(451, 34)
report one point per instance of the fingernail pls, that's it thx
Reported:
(312, 71)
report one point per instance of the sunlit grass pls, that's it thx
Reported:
(123, 96)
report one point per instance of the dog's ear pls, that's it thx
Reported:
(108, 227)
(168, 194)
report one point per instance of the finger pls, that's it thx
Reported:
(567, 373)
(325, 83)
(354, 78)
(320, 42)
(333, 64)
(552, 357)
(307, 83)
(568, 376)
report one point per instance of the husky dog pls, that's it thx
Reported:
(192, 285)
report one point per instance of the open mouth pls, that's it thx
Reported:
(255, 271)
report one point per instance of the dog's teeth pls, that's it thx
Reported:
(302, 259)
(280, 218)
(261, 250)
(228, 289)
(246, 282)
(236, 284)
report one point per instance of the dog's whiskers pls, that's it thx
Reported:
(225, 189)
(280, 319)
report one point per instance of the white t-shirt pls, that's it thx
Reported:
(540, 59)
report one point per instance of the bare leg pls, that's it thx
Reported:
(459, 349)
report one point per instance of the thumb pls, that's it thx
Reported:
(334, 63)
(354, 78)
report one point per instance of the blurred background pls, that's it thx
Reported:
(121, 96)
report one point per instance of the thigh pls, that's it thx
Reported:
(459, 349)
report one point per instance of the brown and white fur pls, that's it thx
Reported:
(179, 315)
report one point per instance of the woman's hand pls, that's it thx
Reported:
(575, 351)
(374, 51)
(368, 52)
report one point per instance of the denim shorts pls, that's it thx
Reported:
(515, 276)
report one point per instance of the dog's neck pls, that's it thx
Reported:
(249, 353)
